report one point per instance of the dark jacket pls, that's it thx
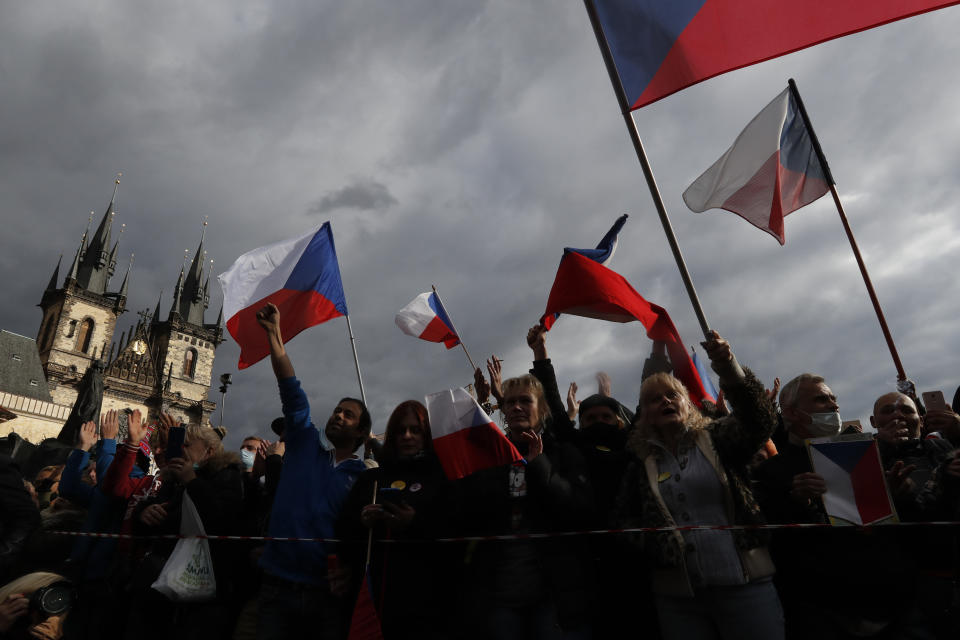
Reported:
(556, 496)
(410, 580)
(19, 517)
(843, 573)
(217, 493)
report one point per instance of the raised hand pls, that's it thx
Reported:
(269, 318)
(88, 436)
(537, 340)
(109, 425)
(772, 393)
(278, 448)
(946, 422)
(718, 349)
(481, 385)
(136, 430)
(534, 444)
(496, 381)
(898, 478)
(573, 405)
(604, 385)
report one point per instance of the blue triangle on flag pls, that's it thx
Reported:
(845, 455)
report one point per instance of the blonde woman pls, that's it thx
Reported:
(689, 471)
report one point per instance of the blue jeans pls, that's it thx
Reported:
(744, 612)
(291, 610)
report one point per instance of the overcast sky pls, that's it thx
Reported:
(464, 144)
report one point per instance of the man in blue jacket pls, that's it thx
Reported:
(300, 593)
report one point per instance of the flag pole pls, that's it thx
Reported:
(356, 360)
(473, 367)
(645, 165)
(901, 375)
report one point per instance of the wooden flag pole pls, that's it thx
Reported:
(901, 375)
(473, 367)
(647, 170)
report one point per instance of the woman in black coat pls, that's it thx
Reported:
(407, 579)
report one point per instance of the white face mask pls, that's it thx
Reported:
(824, 424)
(247, 458)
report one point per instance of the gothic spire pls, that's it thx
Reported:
(194, 298)
(177, 291)
(98, 261)
(75, 266)
(122, 296)
(156, 311)
(56, 275)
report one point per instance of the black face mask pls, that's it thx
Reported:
(604, 434)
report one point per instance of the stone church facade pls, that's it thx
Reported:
(163, 363)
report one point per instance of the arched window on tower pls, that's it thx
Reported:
(84, 335)
(189, 363)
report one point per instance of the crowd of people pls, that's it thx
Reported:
(383, 525)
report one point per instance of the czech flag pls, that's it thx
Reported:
(660, 47)
(589, 289)
(603, 254)
(301, 276)
(856, 487)
(711, 389)
(425, 318)
(770, 171)
(465, 439)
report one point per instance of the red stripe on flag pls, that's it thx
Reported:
(725, 35)
(299, 310)
(438, 331)
(869, 488)
(474, 448)
(365, 623)
(587, 288)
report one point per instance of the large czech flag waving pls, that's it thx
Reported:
(301, 276)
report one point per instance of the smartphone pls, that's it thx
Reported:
(855, 425)
(389, 495)
(933, 401)
(175, 443)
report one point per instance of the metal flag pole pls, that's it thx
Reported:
(901, 375)
(645, 165)
(473, 367)
(356, 360)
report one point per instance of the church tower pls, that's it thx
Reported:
(184, 344)
(79, 318)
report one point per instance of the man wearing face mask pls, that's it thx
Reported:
(838, 582)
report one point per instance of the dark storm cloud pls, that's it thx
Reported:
(495, 139)
(366, 195)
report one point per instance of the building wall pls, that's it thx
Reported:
(74, 312)
(194, 388)
(35, 419)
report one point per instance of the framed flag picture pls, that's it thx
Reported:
(857, 491)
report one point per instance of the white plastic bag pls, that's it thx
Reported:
(188, 574)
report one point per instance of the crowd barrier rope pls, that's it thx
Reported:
(522, 536)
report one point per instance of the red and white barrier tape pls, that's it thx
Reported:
(520, 536)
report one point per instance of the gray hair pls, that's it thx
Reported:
(789, 392)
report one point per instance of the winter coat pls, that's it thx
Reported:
(410, 580)
(728, 444)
